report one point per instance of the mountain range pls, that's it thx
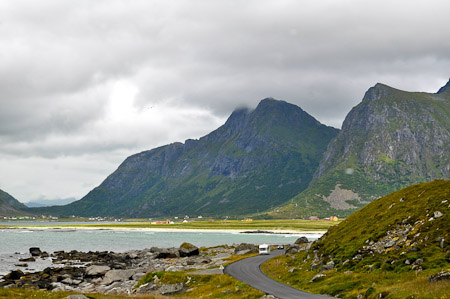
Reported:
(49, 202)
(278, 161)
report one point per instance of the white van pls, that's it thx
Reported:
(264, 249)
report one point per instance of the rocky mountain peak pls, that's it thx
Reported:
(238, 119)
(390, 140)
(270, 102)
(259, 158)
(445, 88)
(377, 92)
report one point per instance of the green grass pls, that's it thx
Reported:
(411, 204)
(205, 286)
(275, 224)
(350, 284)
(384, 271)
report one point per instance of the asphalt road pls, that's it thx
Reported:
(248, 271)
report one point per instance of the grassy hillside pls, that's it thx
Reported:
(9, 206)
(6, 198)
(391, 246)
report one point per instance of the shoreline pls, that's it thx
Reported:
(174, 230)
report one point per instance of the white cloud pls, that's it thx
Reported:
(98, 80)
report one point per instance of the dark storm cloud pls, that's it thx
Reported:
(84, 79)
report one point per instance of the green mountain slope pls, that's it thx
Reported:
(258, 159)
(390, 140)
(5, 197)
(9, 206)
(391, 245)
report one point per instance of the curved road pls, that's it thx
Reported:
(248, 271)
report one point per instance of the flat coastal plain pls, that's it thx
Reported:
(282, 226)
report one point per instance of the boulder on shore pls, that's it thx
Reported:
(35, 251)
(27, 259)
(96, 270)
(301, 240)
(118, 275)
(248, 248)
(187, 249)
(13, 275)
(164, 253)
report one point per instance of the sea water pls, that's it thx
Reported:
(15, 243)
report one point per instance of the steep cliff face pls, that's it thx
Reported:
(393, 133)
(259, 158)
(392, 139)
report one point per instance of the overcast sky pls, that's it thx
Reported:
(84, 84)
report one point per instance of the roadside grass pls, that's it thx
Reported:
(350, 284)
(278, 224)
(235, 258)
(204, 286)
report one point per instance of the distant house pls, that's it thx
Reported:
(167, 221)
(326, 218)
(211, 220)
(313, 218)
(334, 218)
(248, 219)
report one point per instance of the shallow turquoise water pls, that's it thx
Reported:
(19, 240)
(15, 243)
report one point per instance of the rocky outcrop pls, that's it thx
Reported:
(301, 244)
(444, 275)
(245, 248)
(338, 198)
(301, 240)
